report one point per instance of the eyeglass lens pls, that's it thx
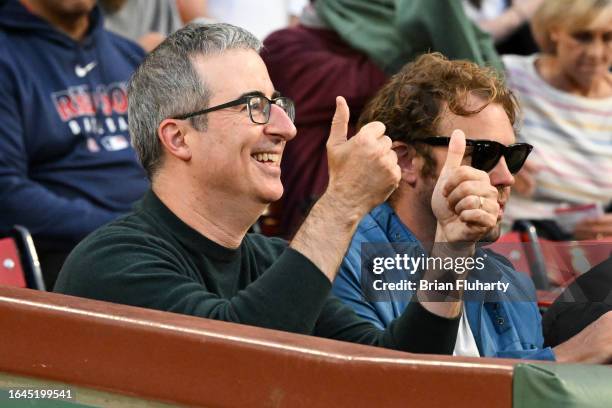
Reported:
(260, 107)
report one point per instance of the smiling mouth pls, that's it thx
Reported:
(270, 159)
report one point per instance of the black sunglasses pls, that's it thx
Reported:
(486, 153)
(258, 105)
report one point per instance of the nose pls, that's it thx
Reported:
(500, 175)
(280, 124)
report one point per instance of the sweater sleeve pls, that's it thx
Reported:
(142, 271)
(288, 296)
(417, 330)
(347, 287)
(24, 201)
(291, 294)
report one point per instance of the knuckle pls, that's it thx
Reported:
(462, 172)
(468, 216)
(373, 128)
(458, 208)
(482, 175)
(463, 189)
(379, 127)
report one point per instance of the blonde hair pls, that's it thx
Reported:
(572, 15)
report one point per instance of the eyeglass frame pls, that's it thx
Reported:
(245, 99)
(445, 140)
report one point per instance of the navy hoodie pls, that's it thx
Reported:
(66, 163)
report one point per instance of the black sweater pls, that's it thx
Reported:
(152, 259)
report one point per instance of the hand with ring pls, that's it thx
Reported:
(464, 201)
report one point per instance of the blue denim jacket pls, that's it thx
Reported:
(509, 329)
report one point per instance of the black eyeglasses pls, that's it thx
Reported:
(258, 105)
(486, 153)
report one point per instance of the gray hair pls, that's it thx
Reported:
(166, 84)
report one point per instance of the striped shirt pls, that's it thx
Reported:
(572, 139)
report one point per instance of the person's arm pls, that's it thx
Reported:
(291, 295)
(191, 10)
(593, 345)
(363, 172)
(428, 325)
(416, 330)
(594, 228)
(24, 201)
(503, 25)
(510, 20)
(118, 265)
(348, 288)
(150, 41)
(465, 206)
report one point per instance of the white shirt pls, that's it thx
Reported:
(465, 345)
(489, 9)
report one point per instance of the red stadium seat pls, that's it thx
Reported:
(11, 272)
(552, 265)
(19, 264)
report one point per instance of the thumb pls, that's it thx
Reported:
(456, 150)
(339, 125)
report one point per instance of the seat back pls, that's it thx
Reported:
(551, 263)
(11, 271)
(19, 265)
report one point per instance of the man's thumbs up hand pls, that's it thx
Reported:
(339, 125)
(463, 201)
(456, 151)
(363, 171)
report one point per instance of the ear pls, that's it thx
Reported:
(172, 134)
(406, 156)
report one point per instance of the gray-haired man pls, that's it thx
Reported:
(210, 130)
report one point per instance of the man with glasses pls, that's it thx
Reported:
(210, 131)
(421, 107)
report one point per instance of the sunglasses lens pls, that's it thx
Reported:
(486, 155)
(516, 156)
